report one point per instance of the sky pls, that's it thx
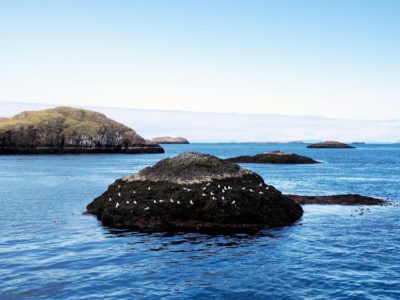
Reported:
(331, 58)
(230, 127)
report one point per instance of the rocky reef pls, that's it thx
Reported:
(170, 140)
(194, 192)
(330, 144)
(275, 157)
(346, 199)
(69, 130)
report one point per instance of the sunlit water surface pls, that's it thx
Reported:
(49, 250)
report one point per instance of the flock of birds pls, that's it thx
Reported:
(224, 189)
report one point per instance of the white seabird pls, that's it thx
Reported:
(233, 202)
(178, 202)
(116, 205)
(119, 194)
(191, 202)
(171, 200)
(134, 202)
(147, 208)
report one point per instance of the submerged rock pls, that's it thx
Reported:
(275, 157)
(346, 199)
(69, 130)
(170, 140)
(194, 192)
(330, 144)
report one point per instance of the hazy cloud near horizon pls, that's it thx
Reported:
(219, 127)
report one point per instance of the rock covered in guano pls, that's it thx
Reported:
(194, 192)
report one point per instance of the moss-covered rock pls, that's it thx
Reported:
(330, 144)
(194, 192)
(69, 130)
(275, 157)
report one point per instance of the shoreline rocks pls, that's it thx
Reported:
(170, 140)
(345, 199)
(275, 157)
(194, 193)
(66, 130)
(330, 145)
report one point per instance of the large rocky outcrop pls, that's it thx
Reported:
(170, 140)
(275, 157)
(194, 192)
(330, 144)
(69, 130)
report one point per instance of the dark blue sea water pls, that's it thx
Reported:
(49, 250)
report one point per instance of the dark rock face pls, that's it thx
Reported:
(194, 192)
(276, 157)
(69, 130)
(346, 199)
(330, 144)
(170, 140)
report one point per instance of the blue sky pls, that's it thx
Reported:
(329, 58)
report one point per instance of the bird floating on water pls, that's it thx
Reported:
(116, 205)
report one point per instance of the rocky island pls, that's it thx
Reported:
(170, 140)
(330, 144)
(194, 192)
(275, 157)
(69, 130)
(345, 199)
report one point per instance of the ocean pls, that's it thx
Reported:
(50, 250)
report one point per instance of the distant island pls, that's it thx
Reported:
(69, 130)
(275, 157)
(170, 140)
(330, 144)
